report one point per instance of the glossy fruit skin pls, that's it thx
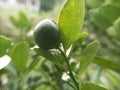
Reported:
(46, 34)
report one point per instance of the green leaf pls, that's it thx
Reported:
(34, 62)
(101, 21)
(82, 35)
(111, 31)
(4, 44)
(92, 86)
(103, 17)
(113, 78)
(46, 54)
(106, 10)
(88, 55)
(94, 3)
(23, 17)
(14, 21)
(19, 54)
(115, 29)
(24, 22)
(21, 22)
(114, 2)
(70, 21)
(107, 64)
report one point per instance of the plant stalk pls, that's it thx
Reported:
(70, 72)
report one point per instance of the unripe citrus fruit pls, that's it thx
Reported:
(46, 34)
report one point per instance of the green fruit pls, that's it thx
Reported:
(46, 34)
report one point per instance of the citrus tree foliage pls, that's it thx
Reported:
(78, 62)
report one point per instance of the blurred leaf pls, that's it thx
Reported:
(45, 67)
(92, 86)
(22, 22)
(94, 3)
(107, 64)
(34, 62)
(114, 79)
(19, 54)
(14, 21)
(101, 21)
(13, 84)
(46, 54)
(23, 17)
(115, 29)
(103, 17)
(73, 66)
(4, 44)
(70, 21)
(82, 35)
(111, 31)
(88, 55)
(61, 58)
(114, 2)
(106, 10)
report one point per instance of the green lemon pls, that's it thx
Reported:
(46, 34)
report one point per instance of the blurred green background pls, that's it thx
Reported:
(102, 20)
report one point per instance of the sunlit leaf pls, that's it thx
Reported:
(70, 21)
(82, 35)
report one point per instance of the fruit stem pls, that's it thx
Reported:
(70, 72)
